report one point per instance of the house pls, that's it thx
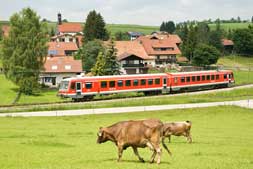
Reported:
(134, 35)
(132, 57)
(62, 48)
(228, 46)
(58, 68)
(162, 48)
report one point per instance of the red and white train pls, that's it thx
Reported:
(81, 88)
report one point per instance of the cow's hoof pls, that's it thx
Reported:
(141, 160)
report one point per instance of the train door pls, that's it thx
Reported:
(78, 88)
(165, 89)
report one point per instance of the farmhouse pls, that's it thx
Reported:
(58, 68)
(62, 48)
(163, 49)
(132, 57)
(228, 46)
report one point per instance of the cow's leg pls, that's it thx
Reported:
(154, 152)
(165, 146)
(189, 137)
(137, 154)
(169, 138)
(120, 152)
(158, 152)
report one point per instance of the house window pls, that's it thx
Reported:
(54, 67)
(157, 81)
(120, 83)
(136, 82)
(143, 82)
(48, 79)
(128, 82)
(103, 84)
(67, 67)
(88, 85)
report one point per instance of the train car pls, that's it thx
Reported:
(201, 80)
(82, 88)
(86, 87)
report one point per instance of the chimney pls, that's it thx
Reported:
(59, 19)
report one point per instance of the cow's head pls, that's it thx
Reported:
(102, 136)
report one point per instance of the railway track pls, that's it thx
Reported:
(66, 103)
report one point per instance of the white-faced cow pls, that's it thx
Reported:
(177, 129)
(135, 134)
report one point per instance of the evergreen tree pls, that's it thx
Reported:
(24, 50)
(112, 66)
(243, 41)
(95, 27)
(52, 32)
(162, 27)
(203, 31)
(170, 27)
(122, 36)
(99, 67)
(190, 43)
(88, 54)
(107, 63)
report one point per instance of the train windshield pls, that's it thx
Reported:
(64, 85)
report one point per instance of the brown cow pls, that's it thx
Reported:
(142, 133)
(177, 129)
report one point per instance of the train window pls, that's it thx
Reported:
(217, 77)
(150, 81)
(128, 82)
(182, 79)
(135, 82)
(193, 78)
(208, 77)
(120, 83)
(112, 84)
(157, 81)
(103, 84)
(88, 85)
(225, 76)
(72, 86)
(203, 77)
(198, 78)
(230, 76)
(212, 77)
(175, 79)
(143, 82)
(188, 79)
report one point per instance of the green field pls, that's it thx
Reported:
(222, 138)
(227, 26)
(236, 61)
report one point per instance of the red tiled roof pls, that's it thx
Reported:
(227, 42)
(60, 47)
(150, 44)
(6, 30)
(65, 64)
(128, 48)
(70, 27)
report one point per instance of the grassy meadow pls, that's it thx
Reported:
(222, 138)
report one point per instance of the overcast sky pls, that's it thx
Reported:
(142, 12)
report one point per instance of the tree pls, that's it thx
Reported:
(215, 39)
(52, 32)
(88, 54)
(205, 55)
(243, 41)
(1, 33)
(203, 31)
(112, 66)
(121, 36)
(24, 51)
(162, 27)
(99, 67)
(107, 63)
(252, 19)
(170, 27)
(95, 27)
(64, 20)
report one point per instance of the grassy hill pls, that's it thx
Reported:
(227, 26)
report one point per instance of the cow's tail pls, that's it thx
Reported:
(165, 146)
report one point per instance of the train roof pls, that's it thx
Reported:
(200, 72)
